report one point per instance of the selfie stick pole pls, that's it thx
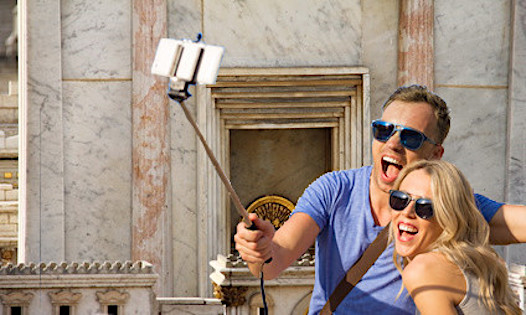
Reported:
(235, 198)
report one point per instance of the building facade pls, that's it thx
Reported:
(111, 170)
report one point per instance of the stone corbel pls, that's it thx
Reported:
(230, 295)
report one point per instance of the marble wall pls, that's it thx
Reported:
(76, 87)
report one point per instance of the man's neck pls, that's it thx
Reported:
(380, 209)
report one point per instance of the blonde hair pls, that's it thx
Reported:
(465, 236)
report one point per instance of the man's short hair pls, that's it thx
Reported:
(418, 93)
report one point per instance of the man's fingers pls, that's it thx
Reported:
(255, 246)
(250, 252)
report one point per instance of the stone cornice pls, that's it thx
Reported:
(77, 275)
(229, 271)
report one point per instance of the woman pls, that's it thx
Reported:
(442, 242)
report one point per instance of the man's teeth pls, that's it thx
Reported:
(391, 160)
(407, 228)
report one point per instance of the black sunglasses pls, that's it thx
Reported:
(410, 138)
(399, 200)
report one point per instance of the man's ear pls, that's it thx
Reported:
(438, 152)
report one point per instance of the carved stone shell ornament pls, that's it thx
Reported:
(275, 209)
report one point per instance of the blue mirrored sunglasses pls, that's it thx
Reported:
(410, 138)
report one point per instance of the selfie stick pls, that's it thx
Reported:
(188, 63)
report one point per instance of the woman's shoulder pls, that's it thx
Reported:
(430, 268)
(435, 272)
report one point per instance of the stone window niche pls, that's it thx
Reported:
(257, 307)
(16, 303)
(65, 302)
(275, 130)
(112, 302)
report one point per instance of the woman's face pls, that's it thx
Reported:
(414, 235)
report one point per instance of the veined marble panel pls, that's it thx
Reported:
(97, 167)
(477, 139)
(380, 49)
(517, 162)
(184, 202)
(285, 33)
(184, 19)
(96, 39)
(472, 42)
(42, 149)
(517, 189)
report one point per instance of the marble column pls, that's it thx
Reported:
(415, 43)
(151, 157)
(42, 149)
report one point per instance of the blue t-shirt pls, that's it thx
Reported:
(339, 203)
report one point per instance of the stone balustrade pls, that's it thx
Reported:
(78, 288)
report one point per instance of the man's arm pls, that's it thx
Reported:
(284, 246)
(508, 225)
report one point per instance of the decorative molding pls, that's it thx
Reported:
(65, 297)
(17, 299)
(52, 268)
(112, 297)
(275, 209)
(77, 275)
(233, 271)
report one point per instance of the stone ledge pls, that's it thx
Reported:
(74, 275)
(188, 301)
(225, 275)
(64, 268)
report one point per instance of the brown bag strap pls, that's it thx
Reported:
(356, 272)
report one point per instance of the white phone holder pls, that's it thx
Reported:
(186, 63)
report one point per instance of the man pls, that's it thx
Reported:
(345, 210)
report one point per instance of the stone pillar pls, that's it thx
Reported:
(151, 160)
(42, 148)
(415, 43)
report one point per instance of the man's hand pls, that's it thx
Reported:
(255, 246)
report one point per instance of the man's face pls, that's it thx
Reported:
(390, 157)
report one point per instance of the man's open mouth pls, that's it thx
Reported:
(391, 167)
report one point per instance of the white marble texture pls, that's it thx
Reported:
(184, 200)
(517, 158)
(477, 139)
(184, 19)
(43, 181)
(97, 167)
(96, 40)
(517, 170)
(472, 42)
(380, 48)
(285, 33)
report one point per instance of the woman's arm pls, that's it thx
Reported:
(435, 284)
